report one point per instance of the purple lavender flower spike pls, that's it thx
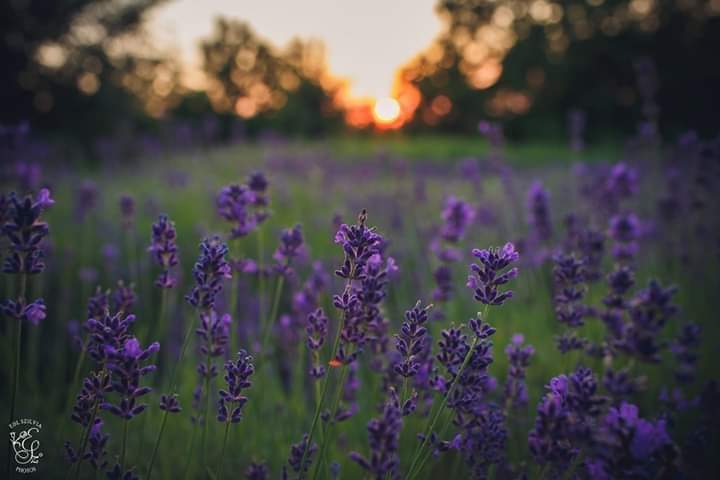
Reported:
(209, 271)
(384, 439)
(539, 212)
(125, 365)
(299, 460)
(291, 246)
(34, 312)
(411, 340)
(317, 330)
(244, 205)
(569, 282)
(630, 446)
(457, 216)
(108, 331)
(237, 377)
(163, 248)
(86, 199)
(25, 232)
(214, 333)
(518, 359)
(127, 210)
(625, 231)
(359, 243)
(488, 277)
(683, 347)
(124, 298)
(257, 471)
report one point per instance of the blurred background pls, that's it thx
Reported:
(141, 73)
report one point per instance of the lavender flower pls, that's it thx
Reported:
(34, 312)
(683, 348)
(209, 271)
(291, 246)
(127, 210)
(238, 204)
(106, 334)
(411, 340)
(539, 212)
(214, 333)
(86, 199)
(256, 471)
(237, 377)
(359, 244)
(300, 460)
(569, 278)
(93, 391)
(488, 276)
(96, 442)
(457, 215)
(625, 230)
(384, 438)
(566, 418)
(629, 446)
(164, 250)
(124, 298)
(25, 232)
(518, 360)
(317, 329)
(125, 365)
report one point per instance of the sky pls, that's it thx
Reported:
(366, 40)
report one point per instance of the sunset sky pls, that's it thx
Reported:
(366, 40)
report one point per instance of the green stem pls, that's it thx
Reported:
(190, 452)
(261, 275)
(267, 329)
(84, 439)
(222, 451)
(431, 426)
(157, 444)
(234, 285)
(331, 422)
(124, 444)
(16, 374)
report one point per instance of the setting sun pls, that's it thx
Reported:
(386, 111)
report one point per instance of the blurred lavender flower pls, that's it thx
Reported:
(124, 298)
(457, 215)
(34, 312)
(576, 127)
(566, 418)
(539, 212)
(209, 271)
(569, 283)
(317, 329)
(488, 277)
(629, 446)
(384, 439)
(237, 377)
(518, 359)
(256, 471)
(214, 333)
(127, 210)
(86, 199)
(239, 204)
(625, 231)
(650, 310)
(164, 250)
(125, 365)
(299, 460)
(291, 246)
(683, 348)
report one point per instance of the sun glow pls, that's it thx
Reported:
(386, 111)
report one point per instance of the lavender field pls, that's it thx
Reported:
(282, 310)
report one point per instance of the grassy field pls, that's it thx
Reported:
(402, 183)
